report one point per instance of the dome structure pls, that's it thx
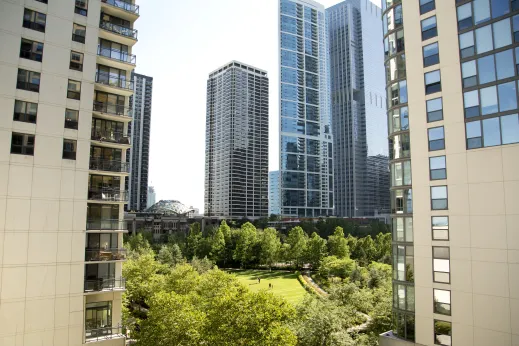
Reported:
(169, 207)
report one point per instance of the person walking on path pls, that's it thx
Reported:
(259, 280)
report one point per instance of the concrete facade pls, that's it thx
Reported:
(50, 164)
(476, 252)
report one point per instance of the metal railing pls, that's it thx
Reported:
(105, 333)
(113, 109)
(107, 194)
(124, 5)
(98, 255)
(104, 284)
(111, 80)
(110, 136)
(118, 29)
(98, 164)
(106, 225)
(116, 54)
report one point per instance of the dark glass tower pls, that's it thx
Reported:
(237, 125)
(139, 132)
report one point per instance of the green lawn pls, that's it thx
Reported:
(285, 283)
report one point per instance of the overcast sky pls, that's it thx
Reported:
(180, 42)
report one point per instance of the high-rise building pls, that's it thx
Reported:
(236, 162)
(454, 149)
(151, 197)
(65, 81)
(306, 164)
(358, 109)
(139, 132)
(377, 185)
(274, 208)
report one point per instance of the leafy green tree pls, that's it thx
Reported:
(297, 240)
(183, 279)
(315, 250)
(172, 320)
(269, 246)
(165, 255)
(337, 244)
(383, 248)
(193, 240)
(332, 266)
(218, 246)
(245, 241)
(137, 243)
(202, 265)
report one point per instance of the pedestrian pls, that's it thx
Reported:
(259, 280)
(270, 285)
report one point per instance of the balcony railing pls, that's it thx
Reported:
(124, 5)
(96, 255)
(110, 136)
(112, 109)
(104, 284)
(98, 164)
(116, 54)
(107, 194)
(106, 225)
(118, 29)
(105, 333)
(111, 80)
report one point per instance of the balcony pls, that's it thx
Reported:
(105, 284)
(103, 255)
(116, 58)
(117, 33)
(98, 164)
(108, 195)
(105, 225)
(122, 9)
(111, 137)
(105, 333)
(112, 111)
(110, 83)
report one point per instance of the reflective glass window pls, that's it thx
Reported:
(312, 129)
(291, 92)
(484, 42)
(441, 264)
(440, 228)
(313, 181)
(399, 119)
(313, 164)
(293, 198)
(312, 96)
(403, 91)
(432, 82)
(481, 11)
(487, 71)
(488, 99)
(438, 168)
(288, 75)
(289, 7)
(510, 129)
(312, 147)
(499, 8)
(467, 46)
(426, 6)
(464, 16)
(439, 199)
(312, 80)
(290, 109)
(292, 144)
(491, 132)
(515, 22)
(474, 138)
(442, 333)
(293, 180)
(442, 302)
(429, 29)
(469, 73)
(401, 173)
(436, 138)
(431, 54)
(434, 110)
(288, 58)
(471, 101)
(289, 41)
(399, 147)
(505, 64)
(293, 162)
(311, 64)
(311, 47)
(289, 24)
(502, 34)
(292, 125)
(402, 201)
(312, 113)
(507, 96)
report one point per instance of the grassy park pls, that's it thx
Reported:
(284, 284)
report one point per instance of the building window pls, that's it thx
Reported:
(439, 198)
(401, 173)
(397, 94)
(440, 228)
(467, 47)
(510, 129)
(431, 54)
(487, 70)
(403, 263)
(442, 302)
(25, 111)
(515, 21)
(426, 6)
(471, 104)
(403, 297)
(433, 82)
(28, 80)
(31, 50)
(434, 110)
(442, 333)
(438, 168)
(34, 20)
(469, 74)
(474, 136)
(441, 264)
(69, 149)
(78, 33)
(71, 119)
(43, 1)
(76, 61)
(22, 144)
(98, 317)
(399, 119)
(429, 29)
(399, 146)
(465, 16)
(402, 201)
(81, 7)
(403, 229)
(436, 138)
(74, 90)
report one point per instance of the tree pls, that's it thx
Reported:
(217, 246)
(337, 244)
(383, 248)
(138, 244)
(165, 255)
(315, 250)
(339, 267)
(269, 247)
(246, 238)
(193, 240)
(297, 239)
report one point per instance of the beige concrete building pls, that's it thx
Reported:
(454, 134)
(65, 71)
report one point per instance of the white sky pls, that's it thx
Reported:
(180, 42)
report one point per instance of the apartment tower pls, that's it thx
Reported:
(358, 109)
(274, 208)
(454, 148)
(139, 132)
(236, 142)
(306, 164)
(64, 87)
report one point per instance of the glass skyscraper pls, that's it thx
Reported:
(358, 109)
(306, 172)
